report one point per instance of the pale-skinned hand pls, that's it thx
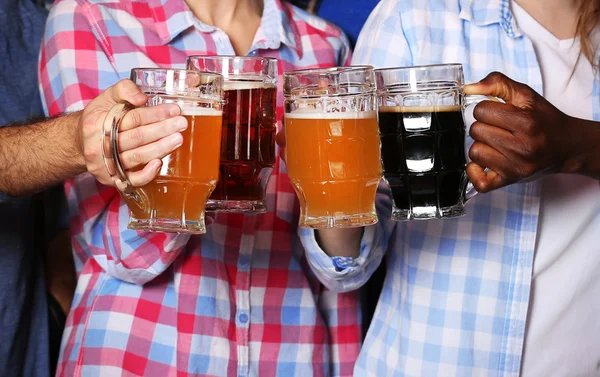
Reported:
(146, 135)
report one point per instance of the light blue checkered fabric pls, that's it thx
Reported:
(456, 294)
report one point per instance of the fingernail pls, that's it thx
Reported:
(174, 110)
(176, 140)
(155, 165)
(181, 123)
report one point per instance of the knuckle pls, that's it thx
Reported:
(120, 89)
(481, 185)
(529, 124)
(496, 77)
(136, 135)
(479, 112)
(532, 149)
(136, 158)
(526, 151)
(90, 154)
(525, 94)
(135, 118)
(123, 87)
(475, 152)
(526, 90)
(90, 128)
(526, 170)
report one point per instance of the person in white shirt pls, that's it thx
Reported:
(512, 287)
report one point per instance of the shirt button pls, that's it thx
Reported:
(244, 261)
(243, 318)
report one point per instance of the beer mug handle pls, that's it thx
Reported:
(110, 147)
(469, 103)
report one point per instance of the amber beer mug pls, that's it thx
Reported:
(248, 133)
(333, 145)
(175, 200)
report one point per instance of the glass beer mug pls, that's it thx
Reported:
(332, 145)
(175, 200)
(423, 140)
(249, 127)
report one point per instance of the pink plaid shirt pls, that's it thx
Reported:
(237, 301)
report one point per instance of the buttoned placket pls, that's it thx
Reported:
(222, 42)
(244, 265)
(243, 318)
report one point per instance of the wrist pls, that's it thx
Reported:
(584, 155)
(74, 120)
(340, 242)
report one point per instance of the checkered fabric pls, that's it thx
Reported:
(456, 294)
(237, 301)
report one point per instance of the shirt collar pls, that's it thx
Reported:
(276, 27)
(172, 17)
(488, 12)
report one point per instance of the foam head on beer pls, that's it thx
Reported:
(189, 110)
(247, 85)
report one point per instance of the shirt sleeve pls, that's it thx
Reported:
(382, 43)
(345, 58)
(74, 68)
(343, 275)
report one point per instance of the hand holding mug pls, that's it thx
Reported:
(147, 133)
(520, 140)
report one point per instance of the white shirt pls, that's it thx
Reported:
(563, 331)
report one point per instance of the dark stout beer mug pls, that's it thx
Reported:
(248, 133)
(423, 140)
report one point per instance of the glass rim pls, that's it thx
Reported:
(191, 71)
(423, 78)
(418, 67)
(329, 70)
(232, 57)
(267, 73)
(292, 91)
(209, 87)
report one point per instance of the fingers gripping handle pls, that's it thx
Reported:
(469, 103)
(110, 147)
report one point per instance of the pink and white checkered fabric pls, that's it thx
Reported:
(237, 301)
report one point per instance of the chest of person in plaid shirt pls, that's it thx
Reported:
(512, 287)
(237, 301)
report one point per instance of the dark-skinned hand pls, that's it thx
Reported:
(520, 140)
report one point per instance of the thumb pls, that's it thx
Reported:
(125, 91)
(498, 85)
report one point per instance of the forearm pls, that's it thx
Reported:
(585, 156)
(344, 274)
(363, 248)
(340, 242)
(36, 155)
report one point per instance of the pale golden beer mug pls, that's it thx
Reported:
(175, 200)
(332, 145)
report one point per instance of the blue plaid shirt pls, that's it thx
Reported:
(456, 295)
